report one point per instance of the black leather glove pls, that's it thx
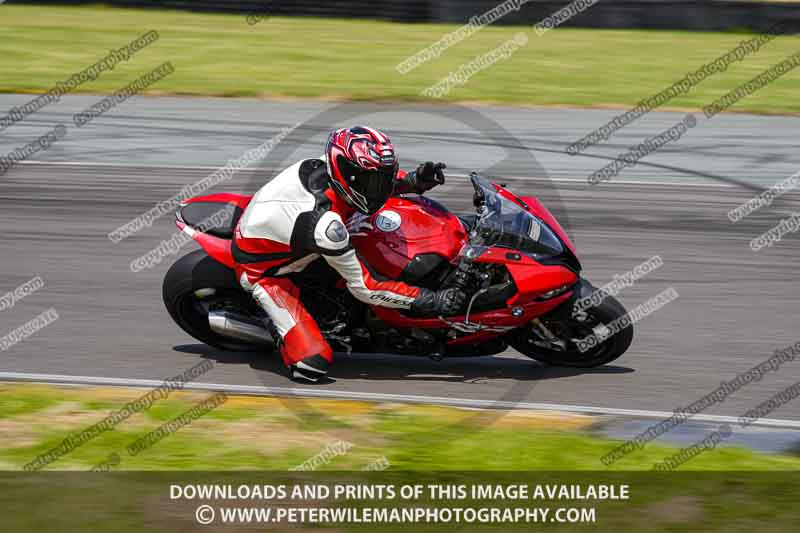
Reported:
(428, 175)
(444, 302)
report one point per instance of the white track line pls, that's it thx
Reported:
(258, 390)
(529, 178)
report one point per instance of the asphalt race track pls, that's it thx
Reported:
(735, 307)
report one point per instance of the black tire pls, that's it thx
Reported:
(190, 273)
(602, 353)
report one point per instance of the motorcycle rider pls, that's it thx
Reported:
(301, 214)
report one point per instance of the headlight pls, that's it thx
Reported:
(555, 292)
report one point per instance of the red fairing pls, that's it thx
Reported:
(223, 198)
(403, 229)
(219, 249)
(532, 279)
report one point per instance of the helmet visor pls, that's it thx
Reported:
(369, 188)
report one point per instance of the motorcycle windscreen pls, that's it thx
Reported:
(504, 223)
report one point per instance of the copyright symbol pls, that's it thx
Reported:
(204, 515)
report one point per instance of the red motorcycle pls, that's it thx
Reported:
(513, 258)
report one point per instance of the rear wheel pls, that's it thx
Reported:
(584, 339)
(196, 285)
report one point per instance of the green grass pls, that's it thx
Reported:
(12, 406)
(340, 59)
(265, 433)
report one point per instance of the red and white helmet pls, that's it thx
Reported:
(363, 167)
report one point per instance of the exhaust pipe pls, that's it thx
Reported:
(239, 327)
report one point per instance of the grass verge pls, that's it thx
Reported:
(223, 55)
(279, 434)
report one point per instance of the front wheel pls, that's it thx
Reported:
(593, 337)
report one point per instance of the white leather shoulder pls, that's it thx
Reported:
(274, 209)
